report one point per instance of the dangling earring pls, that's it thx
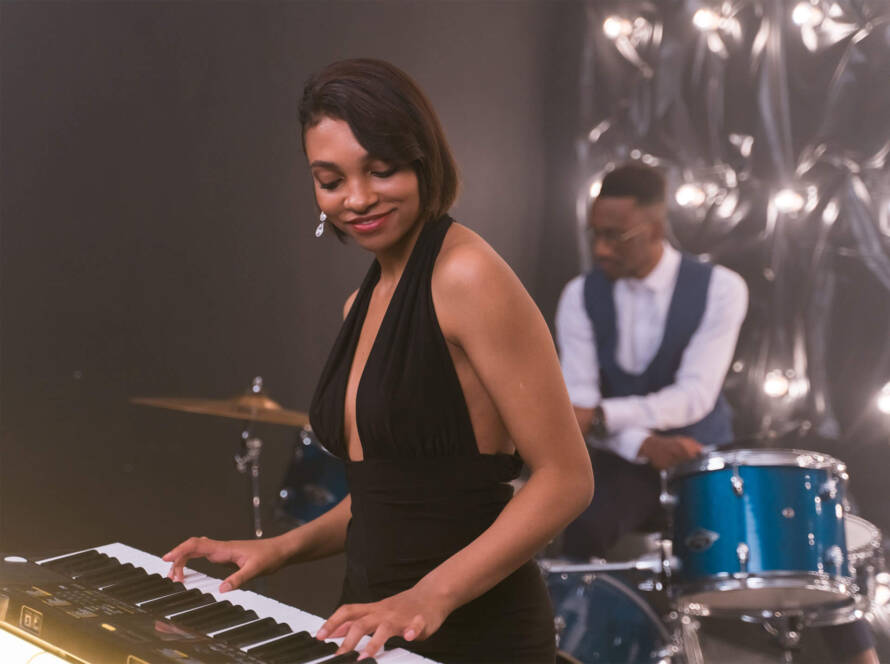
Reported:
(319, 230)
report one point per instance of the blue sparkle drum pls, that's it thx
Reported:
(759, 532)
(601, 618)
(315, 482)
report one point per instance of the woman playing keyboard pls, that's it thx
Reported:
(442, 382)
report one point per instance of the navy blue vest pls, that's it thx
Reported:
(684, 315)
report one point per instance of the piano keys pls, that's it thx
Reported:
(114, 604)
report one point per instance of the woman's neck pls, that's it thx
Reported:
(394, 258)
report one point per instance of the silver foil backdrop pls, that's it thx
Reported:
(772, 123)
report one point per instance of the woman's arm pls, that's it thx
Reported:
(483, 308)
(321, 537)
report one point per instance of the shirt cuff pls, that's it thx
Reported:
(625, 443)
(583, 397)
(621, 414)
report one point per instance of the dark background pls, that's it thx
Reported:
(157, 237)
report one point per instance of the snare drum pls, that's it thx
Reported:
(759, 530)
(867, 563)
(866, 555)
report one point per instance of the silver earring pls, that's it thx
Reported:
(319, 230)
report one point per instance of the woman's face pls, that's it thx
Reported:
(370, 200)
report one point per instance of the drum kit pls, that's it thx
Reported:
(758, 536)
(315, 480)
(755, 535)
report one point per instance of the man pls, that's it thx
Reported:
(645, 341)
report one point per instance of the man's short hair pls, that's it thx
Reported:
(646, 185)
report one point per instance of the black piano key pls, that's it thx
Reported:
(103, 578)
(309, 654)
(227, 621)
(87, 566)
(136, 583)
(283, 645)
(185, 603)
(130, 576)
(259, 635)
(165, 605)
(157, 589)
(61, 564)
(301, 650)
(196, 616)
(347, 658)
(255, 632)
(219, 620)
(102, 566)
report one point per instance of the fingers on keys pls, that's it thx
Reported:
(352, 622)
(414, 629)
(236, 579)
(193, 547)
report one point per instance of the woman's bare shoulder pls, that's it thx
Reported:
(467, 261)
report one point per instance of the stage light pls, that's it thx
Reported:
(806, 14)
(616, 26)
(776, 384)
(706, 19)
(595, 187)
(598, 131)
(788, 201)
(884, 399)
(690, 195)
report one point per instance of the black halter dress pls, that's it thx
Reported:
(423, 490)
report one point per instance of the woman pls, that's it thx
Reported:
(443, 374)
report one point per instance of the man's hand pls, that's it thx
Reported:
(665, 452)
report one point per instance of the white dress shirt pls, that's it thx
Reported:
(641, 308)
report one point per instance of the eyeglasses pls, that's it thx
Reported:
(612, 237)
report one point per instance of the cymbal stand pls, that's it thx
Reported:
(248, 461)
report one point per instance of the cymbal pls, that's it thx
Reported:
(251, 405)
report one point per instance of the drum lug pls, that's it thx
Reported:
(829, 489)
(738, 484)
(667, 499)
(835, 556)
(742, 552)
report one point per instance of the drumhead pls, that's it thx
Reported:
(863, 537)
(719, 459)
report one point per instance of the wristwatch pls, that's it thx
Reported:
(598, 423)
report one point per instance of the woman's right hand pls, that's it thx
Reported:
(253, 557)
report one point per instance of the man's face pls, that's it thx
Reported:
(625, 237)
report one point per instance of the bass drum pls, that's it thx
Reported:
(601, 619)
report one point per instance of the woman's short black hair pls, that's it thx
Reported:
(391, 118)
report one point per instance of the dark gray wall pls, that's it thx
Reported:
(157, 224)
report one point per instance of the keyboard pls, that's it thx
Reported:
(113, 604)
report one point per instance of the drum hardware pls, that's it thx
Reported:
(248, 460)
(742, 552)
(251, 406)
(738, 484)
(786, 630)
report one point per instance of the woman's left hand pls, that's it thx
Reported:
(411, 615)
